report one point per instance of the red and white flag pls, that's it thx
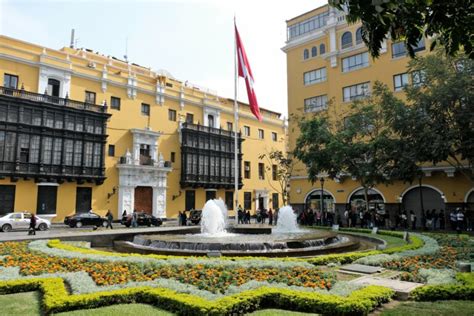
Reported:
(246, 73)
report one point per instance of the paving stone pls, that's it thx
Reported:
(361, 268)
(402, 288)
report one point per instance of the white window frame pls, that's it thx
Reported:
(316, 104)
(355, 62)
(356, 92)
(314, 76)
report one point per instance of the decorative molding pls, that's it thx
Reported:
(207, 110)
(276, 122)
(132, 86)
(64, 77)
(104, 79)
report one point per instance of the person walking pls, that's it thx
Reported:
(434, 219)
(32, 229)
(110, 218)
(270, 217)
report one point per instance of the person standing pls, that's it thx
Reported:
(110, 218)
(434, 219)
(441, 219)
(32, 229)
(270, 217)
(135, 219)
(453, 219)
(459, 220)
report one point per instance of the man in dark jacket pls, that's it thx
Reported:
(32, 229)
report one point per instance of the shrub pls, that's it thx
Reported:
(56, 299)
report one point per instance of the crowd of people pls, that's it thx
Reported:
(433, 219)
(261, 216)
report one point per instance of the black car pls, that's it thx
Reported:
(195, 216)
(85, 219)
(143, 219)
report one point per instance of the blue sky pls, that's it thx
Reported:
(192, 39)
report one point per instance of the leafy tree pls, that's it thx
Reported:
(364, 146)
(284, 163)
(437, 121)
(449, 23)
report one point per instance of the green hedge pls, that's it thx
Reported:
(56, 299)
(463, 291)
(344, 258)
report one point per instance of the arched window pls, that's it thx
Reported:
(346, 40)
(305, 54)
(359, 36)
(322, 49)
(314, 51)
(210, 120)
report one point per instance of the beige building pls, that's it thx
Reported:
(327, 60)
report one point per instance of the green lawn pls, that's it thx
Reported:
(20, 304)
(121, 309)
(27, 304)
(277, 312)
(440, 308)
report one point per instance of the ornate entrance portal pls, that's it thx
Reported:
(142, 176)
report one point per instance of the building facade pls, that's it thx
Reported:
(327, 60)
(81, 131)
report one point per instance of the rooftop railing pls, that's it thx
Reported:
(45, 98)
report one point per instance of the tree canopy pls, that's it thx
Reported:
(363, 146)
(449, 23)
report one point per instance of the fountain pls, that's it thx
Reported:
(214, 218)
(287, 221)
(287, 239)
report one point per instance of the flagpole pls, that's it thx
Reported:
(236, 128)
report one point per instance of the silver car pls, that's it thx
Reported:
(21, 220)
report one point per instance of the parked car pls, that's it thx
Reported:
(21, 220)
(195, 216)
(85, 219)
(143, 219)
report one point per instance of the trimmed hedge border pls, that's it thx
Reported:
(344, 258)
(55, 298)
(463, 291)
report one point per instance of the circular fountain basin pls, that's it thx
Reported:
(302, 243)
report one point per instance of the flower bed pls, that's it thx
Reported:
(213, 278)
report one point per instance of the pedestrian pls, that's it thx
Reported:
(459, 220)
(276, 216)
(135, 219)
(110, 218)
(441, 219)
(270, 217)
(404, 220)
(413, 220)
(429, 219)
(124, 216)
(346, 218)
(434, 219)
(32, 229)
(453, 219)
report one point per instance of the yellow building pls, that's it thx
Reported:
(80, 131)
(327, 60)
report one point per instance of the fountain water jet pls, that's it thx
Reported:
(287, 221)
(214, 218)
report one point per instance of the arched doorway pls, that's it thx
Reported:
(313, 200)
(432, 199)
(376, 200)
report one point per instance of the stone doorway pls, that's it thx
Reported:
(144, 199)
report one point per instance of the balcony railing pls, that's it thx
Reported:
(44, 98)
(208, 129)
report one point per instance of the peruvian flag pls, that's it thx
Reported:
(246, 73)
